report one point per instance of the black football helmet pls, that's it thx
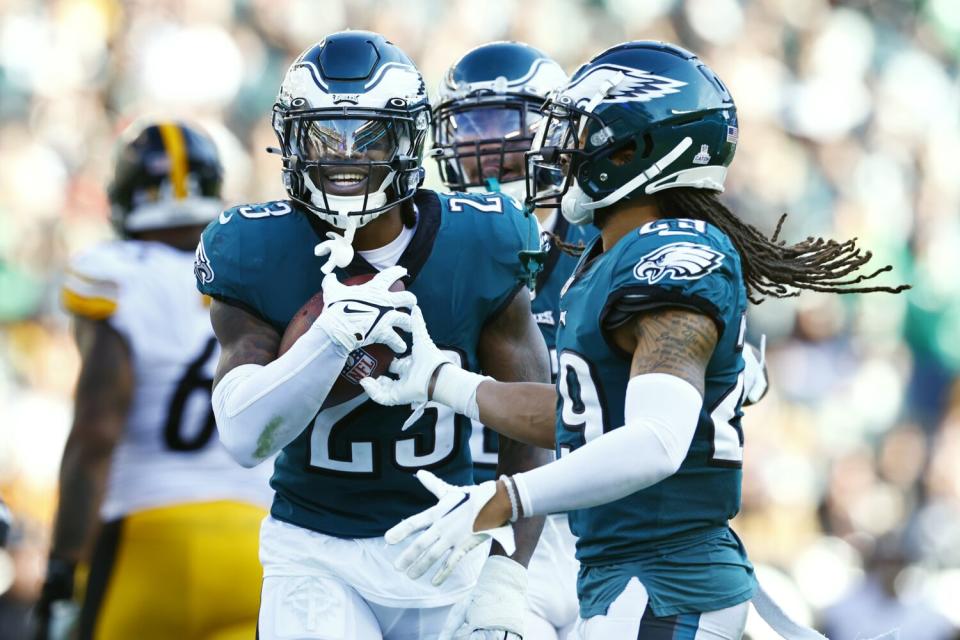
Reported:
(167, 174)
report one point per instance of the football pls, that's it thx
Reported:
(371, 360)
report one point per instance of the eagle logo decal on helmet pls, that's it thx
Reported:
(679, 261)
(629, 85)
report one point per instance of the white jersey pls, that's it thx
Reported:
(170, 452)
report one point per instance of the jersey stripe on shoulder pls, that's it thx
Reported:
(93, 307)
(91, 285)
(84, 295)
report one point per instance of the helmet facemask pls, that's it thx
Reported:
(480, 142)
(349, 165)
(555, 155)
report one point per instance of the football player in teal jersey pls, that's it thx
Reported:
(487, 111)
(351, 117)
(645, 415)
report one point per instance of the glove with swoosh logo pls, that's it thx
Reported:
(368, 313)
(446, 527)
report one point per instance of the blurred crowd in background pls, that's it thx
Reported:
(850, 121)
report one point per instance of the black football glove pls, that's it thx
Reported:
(56, 588)
(6, 521)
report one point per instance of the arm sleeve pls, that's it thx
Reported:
(661, 414)
(261, 408)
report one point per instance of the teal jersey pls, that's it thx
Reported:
(350, 473)
(484, 443)
(557, 269)
(666, 263)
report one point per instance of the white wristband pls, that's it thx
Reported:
(512, 496)
(457, 388)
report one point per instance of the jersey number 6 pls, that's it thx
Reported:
(194, 380)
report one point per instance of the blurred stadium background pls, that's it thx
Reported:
(850, 121)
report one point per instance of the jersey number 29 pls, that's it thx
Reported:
(582, 410)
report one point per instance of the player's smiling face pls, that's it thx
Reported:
(347, 150)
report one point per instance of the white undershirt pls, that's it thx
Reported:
(389, 254)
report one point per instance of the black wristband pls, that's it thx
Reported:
(59, 582)
(6, 521)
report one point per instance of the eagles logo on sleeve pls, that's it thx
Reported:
(679, 261)
(201, 265)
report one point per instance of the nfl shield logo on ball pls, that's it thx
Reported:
(359, 365)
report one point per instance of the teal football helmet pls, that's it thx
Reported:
(489, 107)
(638, 118)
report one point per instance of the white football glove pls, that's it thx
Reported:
(449, 527)
(755, 372)
(496, 608)
(354, 316)
(455, 387)
(339, 247)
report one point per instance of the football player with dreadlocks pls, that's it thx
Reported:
(351, 118)
(651, 371)
(174, 519)
(484, 123)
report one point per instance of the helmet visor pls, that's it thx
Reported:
(350, 139)
(481, 143)
(350, 156)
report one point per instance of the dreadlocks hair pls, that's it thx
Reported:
(771, 267)
(566, 247)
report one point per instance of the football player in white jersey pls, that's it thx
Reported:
(175, 519)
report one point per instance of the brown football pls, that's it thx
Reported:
(371, 360)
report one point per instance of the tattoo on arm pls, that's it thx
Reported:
(512, 349)
(244, 338)
(103, 395)
(676, 341)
